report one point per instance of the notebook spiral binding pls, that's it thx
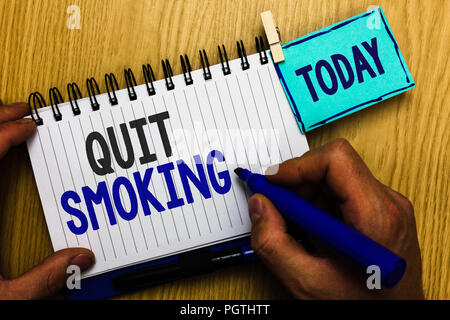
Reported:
(36, 100)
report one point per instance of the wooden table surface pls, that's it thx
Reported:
(404, 140)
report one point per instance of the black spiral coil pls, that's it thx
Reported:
(168, 74)
(261, 51)
(131, 83)
(55, 99)
(225, 65)
(74, 93)
(92, 85)
(110, 81)
(36, 100)
(32, 99)
(186, 66)
(149, 77)
(205, 65)
(242, 55)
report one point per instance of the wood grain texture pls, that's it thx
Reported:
(404, 140)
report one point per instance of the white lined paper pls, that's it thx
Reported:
(245, 106)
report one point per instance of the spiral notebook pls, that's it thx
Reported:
(147, 171)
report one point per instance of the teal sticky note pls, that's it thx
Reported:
(341, 69)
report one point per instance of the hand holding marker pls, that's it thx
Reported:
(333, 233)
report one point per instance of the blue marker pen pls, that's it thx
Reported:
(333, 233)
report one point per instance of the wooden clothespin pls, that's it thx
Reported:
(273, 36)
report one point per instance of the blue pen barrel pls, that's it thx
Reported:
(343, 239)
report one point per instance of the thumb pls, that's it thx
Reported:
(282, 254)
(50, 276)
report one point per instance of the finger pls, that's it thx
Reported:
(336, 163)
(14, 132)
(13, 111)
(404, 202)
(358, 194)
(50, 276)
(283, 255)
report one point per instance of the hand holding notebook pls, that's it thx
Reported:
(35, 283)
